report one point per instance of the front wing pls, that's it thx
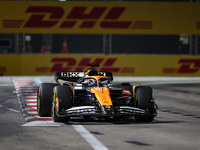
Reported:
(93, 111)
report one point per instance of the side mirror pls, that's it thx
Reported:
(80, 80)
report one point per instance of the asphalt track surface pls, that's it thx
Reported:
(175, 127)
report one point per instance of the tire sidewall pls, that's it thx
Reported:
(144, 101)
(64, 95)
(44, 99)
(144, 98)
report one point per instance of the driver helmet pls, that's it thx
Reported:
(91, 82)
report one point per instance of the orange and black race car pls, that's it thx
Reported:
(91, 94)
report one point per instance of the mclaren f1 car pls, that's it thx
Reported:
(91, 94)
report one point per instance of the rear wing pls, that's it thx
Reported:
(75, 76)
(69, 76)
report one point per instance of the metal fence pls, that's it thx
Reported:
(100, 44)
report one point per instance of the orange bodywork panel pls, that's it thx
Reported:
(103, 95)
(126, 92)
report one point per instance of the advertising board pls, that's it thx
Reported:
(121, 65)
(99, 17)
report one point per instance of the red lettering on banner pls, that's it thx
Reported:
(169, 70)
(189, 65)
(80, 17)
(12, 23)
(36, 20)
(115, 24)
(108, 65)
(198, 25)
(71, 64)
(42, 69)
(115, 13)
(79, 13)
(85, 61)
(88, 24)
(142, 25)
(2, 69)
(68, 24)
(63, 64)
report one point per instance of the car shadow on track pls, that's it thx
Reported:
(111, 121)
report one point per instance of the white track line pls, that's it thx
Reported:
(13, 110)
(92, 140)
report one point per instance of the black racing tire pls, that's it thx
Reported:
(65, 96)
(44, 99)
(144, 101)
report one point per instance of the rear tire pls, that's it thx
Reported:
(44, 99)
(144, 101)
(64, 101)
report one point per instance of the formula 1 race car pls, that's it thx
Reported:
(91, 94)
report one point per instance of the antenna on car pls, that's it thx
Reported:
(92, 72)
(93, 66)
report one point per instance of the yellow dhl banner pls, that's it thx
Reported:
(100, 17)
(123, 65)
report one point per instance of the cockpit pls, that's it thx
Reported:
(95, 81)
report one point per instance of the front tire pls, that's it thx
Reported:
(44, 99)
(62, 100)
(144, 100)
